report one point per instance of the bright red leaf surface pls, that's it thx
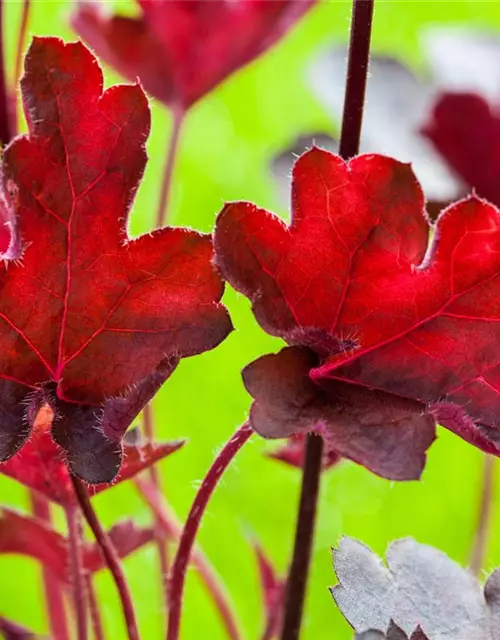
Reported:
(292, 453)
(92, 322)
(41, 465)
(181, 50)
(392, 326)
(465, 129)
(28, 536)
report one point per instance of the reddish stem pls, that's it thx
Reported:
(178, 573)
(95, 613)
(172, 530)
(53, 590)
(484, 519)
(357, 72)
(77, 571)
(110, 555)
(178, 115)
(18, 64)
(5, 126)
(155, 479)
(304, 537)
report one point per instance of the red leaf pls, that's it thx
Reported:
(466, 131)
(348, 279)
(31, 537)
(126, 537)
(292, 453)
(41, 465)
(12, 631)
(28, 536)
(182, 50)
(91, 320)
(272, 590)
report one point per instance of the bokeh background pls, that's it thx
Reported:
(228, 148)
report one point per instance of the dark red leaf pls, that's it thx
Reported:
(353, 279)
(41, 465)
(292, 453)
(465, 129)
(182, 50)
(126, 537)
(386, 433)
(94, 320)
(31, 537)
(28, 536)
(12, 631)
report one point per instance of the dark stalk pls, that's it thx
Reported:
(110, 556)
(183, 555)
(5, 128)
(95, 612)
(357, 73)
(77, 571)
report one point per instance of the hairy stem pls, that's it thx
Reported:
(54, 594)
(172, 530)
(178, 573)
(110, 556)
(485, 514)
(5, 125)
(77, 571)
(95, 612)
(19, 58)
(155, 479)
(304, 536)
(357, 73)
(178, 115)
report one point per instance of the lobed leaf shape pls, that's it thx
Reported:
(42, 466)
(91, 321)
(465, 129)
(182, 50)
(31, 537)
(393, 633)
(354, 278)
(421, 593)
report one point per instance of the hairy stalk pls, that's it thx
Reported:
(77, 571)
(171, 530)
(155, 479)
(19, 58)
(481, 538)
(178, 572)
(178, 115)
(110, 555)
(5, 127)
(95, 612)
(357, 73)
(53, 590)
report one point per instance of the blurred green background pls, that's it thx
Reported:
(228, 143)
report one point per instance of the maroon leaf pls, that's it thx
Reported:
(465, 129)
(102, 319)
(387, 434)
(352, 278)
(12, 631)
(292, 453)
(426, 594)
(41, 465)
(182, 50)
